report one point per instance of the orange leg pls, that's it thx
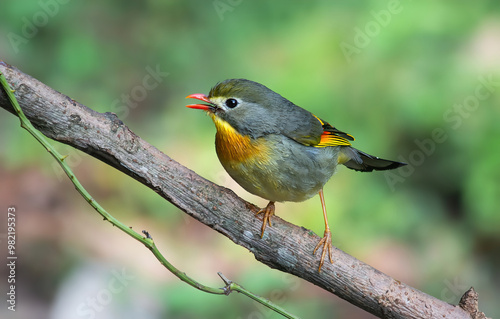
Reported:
(268, 211)
(326, 241)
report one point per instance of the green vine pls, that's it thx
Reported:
(147, 240)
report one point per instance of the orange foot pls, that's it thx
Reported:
(326, 242)
(268, 211)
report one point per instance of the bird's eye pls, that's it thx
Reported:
(231, 103)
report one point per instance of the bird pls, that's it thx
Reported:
(277, 150)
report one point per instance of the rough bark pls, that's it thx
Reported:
(285, 246)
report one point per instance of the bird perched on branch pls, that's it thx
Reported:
(278, 150)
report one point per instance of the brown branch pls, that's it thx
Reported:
(285, 246)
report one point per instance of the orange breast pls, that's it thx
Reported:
(232, 147)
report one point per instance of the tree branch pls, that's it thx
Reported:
(285, 246)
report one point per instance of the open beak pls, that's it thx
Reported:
(202, 97)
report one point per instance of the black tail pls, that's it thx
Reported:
(362, 162)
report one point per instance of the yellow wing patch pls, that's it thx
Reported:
(328, 139)
(333, 137)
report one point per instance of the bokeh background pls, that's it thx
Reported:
(416, 81)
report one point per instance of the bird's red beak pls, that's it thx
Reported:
(201, 97)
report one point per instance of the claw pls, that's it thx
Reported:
(268, 211)
(326, 242)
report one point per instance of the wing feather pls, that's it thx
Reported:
(310, 130)
(333, 137)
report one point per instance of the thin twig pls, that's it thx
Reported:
(147, 240)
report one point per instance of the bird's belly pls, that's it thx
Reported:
(282, 169)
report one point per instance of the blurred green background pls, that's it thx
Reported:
(416, 81)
